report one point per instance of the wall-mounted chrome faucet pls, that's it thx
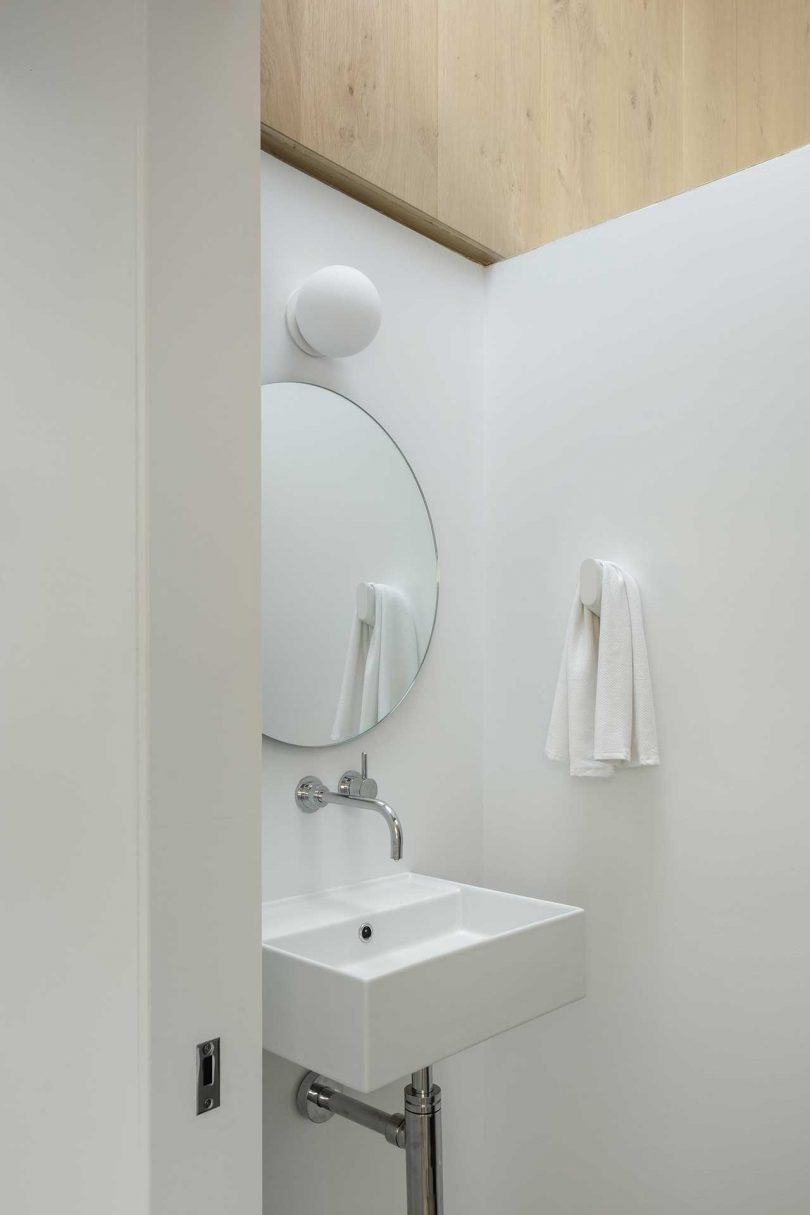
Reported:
(354, 789)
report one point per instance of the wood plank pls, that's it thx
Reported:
(773, 78)
(579, 115)
(280, 145)
(650, 152)
(518, 124)
(467, 121)
(281, 55)
(709, 90)
(489, 120)
(357, 84)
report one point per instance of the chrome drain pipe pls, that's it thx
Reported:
(418, 1131)
(423, 1144)
(319, 1099)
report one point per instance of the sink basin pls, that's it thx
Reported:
(443, 966)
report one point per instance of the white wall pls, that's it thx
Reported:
(648, 403)
(129, 715)
(202, 485)
(70, 1052)
(421, 378)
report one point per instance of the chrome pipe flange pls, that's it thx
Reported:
(306, 1099)
(309, 794)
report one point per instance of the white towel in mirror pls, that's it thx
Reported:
(603, 715)
(381, 663)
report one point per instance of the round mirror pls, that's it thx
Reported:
(349, 568)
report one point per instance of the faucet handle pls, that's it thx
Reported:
(358, 784)
(368, 786)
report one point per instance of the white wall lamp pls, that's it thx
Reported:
(334, 313)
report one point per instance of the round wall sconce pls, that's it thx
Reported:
(334, 313)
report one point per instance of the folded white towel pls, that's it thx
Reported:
(603, 715)
(381, 664)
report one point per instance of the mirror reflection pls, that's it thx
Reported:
(349, 568)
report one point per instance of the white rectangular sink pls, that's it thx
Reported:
(444, 966)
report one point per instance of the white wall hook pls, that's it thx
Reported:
(366, 603)
(590, 585)
(334, 313)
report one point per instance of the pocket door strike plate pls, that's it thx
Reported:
(208, 1068)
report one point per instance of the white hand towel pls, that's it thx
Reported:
(381, 664)
(603, 715)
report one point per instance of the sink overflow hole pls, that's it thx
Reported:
(366, 932)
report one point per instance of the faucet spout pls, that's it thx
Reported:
(354, 789)
(388, 813)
